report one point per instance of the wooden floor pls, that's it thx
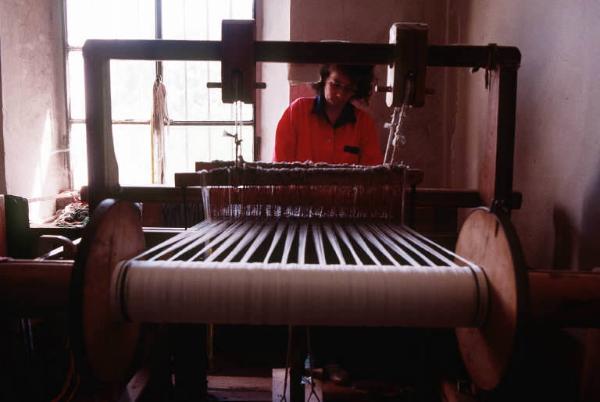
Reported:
(259, 389)
(224, 388)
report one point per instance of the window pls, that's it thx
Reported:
(198, 119)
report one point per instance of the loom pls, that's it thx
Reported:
(348, 261)
(380, 273)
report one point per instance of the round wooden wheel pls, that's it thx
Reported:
(490, 241)
(104, 348)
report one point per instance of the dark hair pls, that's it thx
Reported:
(360, 75)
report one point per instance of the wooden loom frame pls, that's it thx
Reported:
(496, 171)
(501, 63)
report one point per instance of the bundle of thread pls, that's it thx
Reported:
(340, 192)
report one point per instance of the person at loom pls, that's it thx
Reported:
(333, 127)
(330, 127)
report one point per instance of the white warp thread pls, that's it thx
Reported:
(279, 294)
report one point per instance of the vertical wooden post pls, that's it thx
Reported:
(298, 355)
(103, 174)
(497, 153)
(190, 362)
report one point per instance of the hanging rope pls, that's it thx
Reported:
(158, 124)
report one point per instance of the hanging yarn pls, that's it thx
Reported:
(326, 191)
(159, 123)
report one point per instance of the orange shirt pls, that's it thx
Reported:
(304, 133)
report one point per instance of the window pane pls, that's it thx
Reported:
(187, 95)
(188, 145)
(242, 9)
(131, 89)
(78, 156)
(184, 19)
(109, 19)
(76, 85)
(201, 19)
(218, 11)
(133, 152)
(132, 82)
(222, 147)
(185, 146)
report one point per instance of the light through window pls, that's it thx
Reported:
(198, 118)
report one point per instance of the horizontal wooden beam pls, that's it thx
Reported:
(454, 198)
(34, 288)
(329, 176)
(301, 52)
(152, 194)
(423, 197)
(565, 298)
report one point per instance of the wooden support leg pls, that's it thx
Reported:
(190, 362)
(298, 355)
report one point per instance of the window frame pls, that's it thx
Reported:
(68, 49)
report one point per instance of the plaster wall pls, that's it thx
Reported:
(370, 21)
(2, 164)
(557, 155)
(33, 101)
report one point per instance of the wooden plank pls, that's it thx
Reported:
(565, 298)
(325, 52)
(151, 49)
(379, 53)
(239, 383)
(445, 197)
(298, 52)
(413, 176)
(71, 232)
(367, 175)
(151, 194)
(423, 197)
(152, 235)
(471, 56)
(241, 396)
